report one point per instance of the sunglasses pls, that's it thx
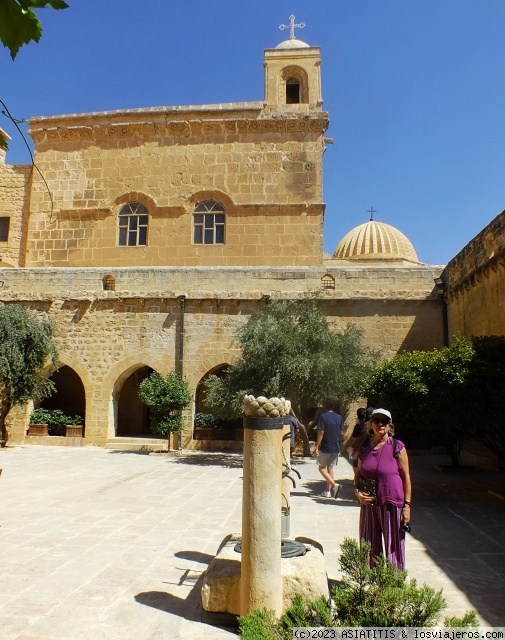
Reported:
(383, 421)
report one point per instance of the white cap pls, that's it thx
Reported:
(382, 412)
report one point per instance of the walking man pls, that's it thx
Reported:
(329, 436)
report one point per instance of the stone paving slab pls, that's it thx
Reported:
(98, 544)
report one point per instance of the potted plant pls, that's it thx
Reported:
(39, 422)
(74, 427)
(205, 426)
(54, 422)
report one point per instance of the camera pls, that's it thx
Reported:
(406, 528)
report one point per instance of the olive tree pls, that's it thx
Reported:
(289, 349)
(27, 355)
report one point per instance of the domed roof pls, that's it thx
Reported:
(375, 241)
(292, 43)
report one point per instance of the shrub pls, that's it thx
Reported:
(469, 619)
(165, 397)
(55, 419)
(206, 421)
(381, 596)
(378, 597)
(258, 625)
(303, 613)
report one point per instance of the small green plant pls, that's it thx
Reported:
(55, 419)
(206, 421)
(165, 397)
(469, 619)
(381, 596)
(258, 625)
(303, 613)
(377, 597)
(40, 416)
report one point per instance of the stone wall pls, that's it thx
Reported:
(266, 171)
(105, 336)
(14, 203)
(475, 284)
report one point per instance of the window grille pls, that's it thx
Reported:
(328, 282)
(109, 283)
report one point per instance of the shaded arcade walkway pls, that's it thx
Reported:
(101, 545)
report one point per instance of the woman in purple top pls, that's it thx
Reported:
(382, 520)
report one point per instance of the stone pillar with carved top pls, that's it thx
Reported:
(261, 579)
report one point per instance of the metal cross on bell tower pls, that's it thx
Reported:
(292, 26)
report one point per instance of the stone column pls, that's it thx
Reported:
(260, 577)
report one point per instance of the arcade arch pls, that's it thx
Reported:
(132, 415)
(70, 396)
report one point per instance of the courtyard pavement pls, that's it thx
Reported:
(99, 545)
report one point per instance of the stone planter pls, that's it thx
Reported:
(37, 429)
(204, 434)
(74, 431)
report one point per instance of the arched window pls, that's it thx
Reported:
(208, 223)
(132, 225)
(293, 91)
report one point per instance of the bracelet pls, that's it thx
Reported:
(407, 503)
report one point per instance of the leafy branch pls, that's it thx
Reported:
(19, 24)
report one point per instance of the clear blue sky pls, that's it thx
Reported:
(415, 91)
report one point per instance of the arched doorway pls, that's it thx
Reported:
(204, 415)
(69, 396)
(132, 414)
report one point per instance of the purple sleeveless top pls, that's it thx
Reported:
(383, 466)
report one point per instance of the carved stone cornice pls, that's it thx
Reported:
(176, 129)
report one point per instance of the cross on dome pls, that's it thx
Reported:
(292, 26)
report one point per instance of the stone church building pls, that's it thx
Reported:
(150, 235)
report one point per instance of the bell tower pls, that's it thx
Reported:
(293, 74)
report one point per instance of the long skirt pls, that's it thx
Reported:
(380, 525)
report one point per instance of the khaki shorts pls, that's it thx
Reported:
(327, 459)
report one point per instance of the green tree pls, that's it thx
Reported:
(19, 24)
(289, 350)
(165, 397)
(27, 353)
(427, 393)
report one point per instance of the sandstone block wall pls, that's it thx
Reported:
(14, 204)
(266, 171)
(105, 336)
(475, 282)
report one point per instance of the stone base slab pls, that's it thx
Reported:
(305, 575)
